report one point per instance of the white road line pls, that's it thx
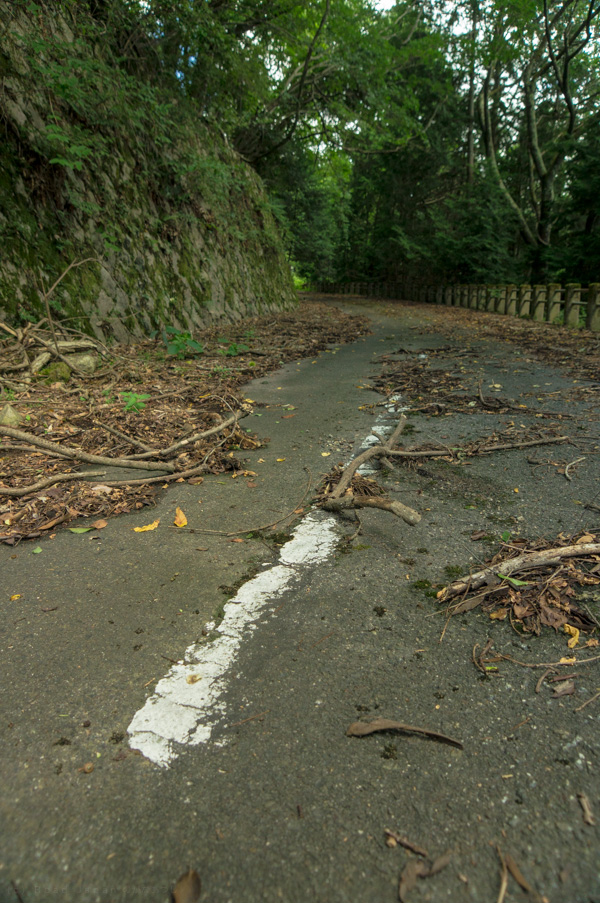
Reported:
(186, 704)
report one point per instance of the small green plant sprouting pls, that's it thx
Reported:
(233, 349)
(134, 402)
(220, 371)
(180, 344)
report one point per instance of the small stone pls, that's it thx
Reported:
(9, 416)
(87, 361)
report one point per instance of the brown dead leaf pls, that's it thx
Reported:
(478, 534)
(100, 524)
(251, 484)
(196, 481)
(412, 871)
(364, 728)
(288, 416)
(236, 540)
(587, 537)
(565, 688)
(187, 889)
(439, 863)
(180, 518)
(584, 802)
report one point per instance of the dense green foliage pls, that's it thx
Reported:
(447, 140)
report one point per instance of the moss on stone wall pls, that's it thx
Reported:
(97, 164)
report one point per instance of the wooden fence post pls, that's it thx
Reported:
(511, 300)
(572, 303)
(592, 318)
(524, 301)
(540, 293)
(553, 302)
(500, 306)
(490, 297)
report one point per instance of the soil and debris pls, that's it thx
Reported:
(171, 406)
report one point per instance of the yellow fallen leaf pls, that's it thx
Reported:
(281, 459)
(249, 401)
(15, 597)
(574, 634)
(515, 490)
(180, 518)
(151, 526)
(568, 660)
(250, 473)
(325, 454)
(261, 461)
(499, 615)
(193, 678)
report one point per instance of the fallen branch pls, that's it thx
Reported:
(120, 435)
(375, 451)
(481, 450)
(20, 491)
(238, 415)
(529, 561)
(340, 499)
(350, 502)
(364, 728)
(77, 455)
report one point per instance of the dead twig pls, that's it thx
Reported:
(572, 464)
(587, 702)
(503, 877)
(528, 561)
(409, 515)
(340, 499)
(364, 728)
(77, 455)
(120, 435)
(472, 452)
(406, 843)
(49, 481)
(238, 415)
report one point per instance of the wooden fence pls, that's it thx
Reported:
(569, 305)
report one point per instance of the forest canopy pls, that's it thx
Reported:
(446, 140)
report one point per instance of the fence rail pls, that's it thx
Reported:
(569, 305)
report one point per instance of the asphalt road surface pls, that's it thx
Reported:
(150, 725)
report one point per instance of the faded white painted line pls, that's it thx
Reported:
(384, 427)
(186, 704)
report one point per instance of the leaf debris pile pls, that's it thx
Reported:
(535, 584)
(145, 407)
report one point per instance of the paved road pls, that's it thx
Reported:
(236, 761)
